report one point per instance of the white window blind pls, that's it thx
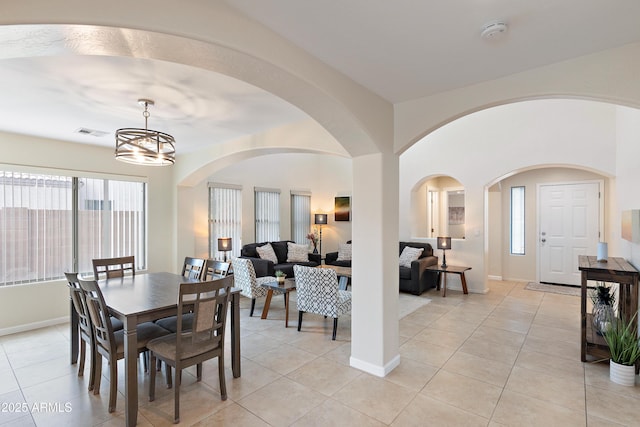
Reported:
(225, 218)
(267, 214)
(111, 221)
(300, 216)
(36, 228)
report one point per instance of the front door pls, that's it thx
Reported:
(569, 224)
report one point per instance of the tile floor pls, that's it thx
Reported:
(510, 357)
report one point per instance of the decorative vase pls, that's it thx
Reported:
(603, 315)
(315, 249)
(280, 279)
(622, 374)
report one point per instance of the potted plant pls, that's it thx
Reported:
(280, 276)
(313, 238)
(603, 300)
(624, 346)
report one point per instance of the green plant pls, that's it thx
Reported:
(602, 294)
(622, 339)
(280, 273)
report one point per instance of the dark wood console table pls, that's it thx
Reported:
(616, 270)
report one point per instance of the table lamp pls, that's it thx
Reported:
(444, 243)
(224, 245)
(320, 219)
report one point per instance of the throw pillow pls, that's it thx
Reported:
(344, 252)
(266, 252)
(297, 253)
(409, 255)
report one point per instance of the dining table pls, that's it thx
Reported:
(143, 298)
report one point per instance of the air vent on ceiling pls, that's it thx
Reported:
(92, 132)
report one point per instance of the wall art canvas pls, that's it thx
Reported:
(342, 210)
(631, 225)
(456, 215)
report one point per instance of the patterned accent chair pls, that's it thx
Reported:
(244, 277)
(317, 292)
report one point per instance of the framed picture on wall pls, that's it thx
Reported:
(342, 208)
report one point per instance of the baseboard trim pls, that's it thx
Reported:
(490, 277)
(379, 371)
(35, 325)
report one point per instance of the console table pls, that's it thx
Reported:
(615, 270)
(442, 276)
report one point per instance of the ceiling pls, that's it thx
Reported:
(401, 50)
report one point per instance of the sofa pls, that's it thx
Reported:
(416, 279)
(331, 258)
(264, 267)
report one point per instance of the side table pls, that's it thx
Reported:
(287, 286)
(442, 276)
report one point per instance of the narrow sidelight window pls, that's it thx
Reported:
(517, 220)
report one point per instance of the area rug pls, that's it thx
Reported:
(407, 304)
(556, 289)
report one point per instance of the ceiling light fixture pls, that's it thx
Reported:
(493, 30)
(145, 146)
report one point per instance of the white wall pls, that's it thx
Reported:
(484, 147)
(325, 176)
(23, 306)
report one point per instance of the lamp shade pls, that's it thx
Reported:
(224, 244)
(320, 219)
(444, 243)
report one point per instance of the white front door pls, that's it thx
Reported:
(569, 226)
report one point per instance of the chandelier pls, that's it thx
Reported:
(145, 146)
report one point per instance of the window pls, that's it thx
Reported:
(267, 214)
(300, 216)
(225, 218)
(517, 220)
(36, 228)
(38, 219)
(111, 221)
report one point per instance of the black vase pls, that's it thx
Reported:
(315, 250)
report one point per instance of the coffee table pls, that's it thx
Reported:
(343, 273)
(442, 276)
(287, 286)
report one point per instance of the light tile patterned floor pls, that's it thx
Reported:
(507, 358)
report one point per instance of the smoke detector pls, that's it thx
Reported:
(493, 30)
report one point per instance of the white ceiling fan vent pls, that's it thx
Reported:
(92, 132)
(494, 30)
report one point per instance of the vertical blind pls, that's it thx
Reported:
(35, 227)
(300, 216)
(267, 214)
(225, 218)
(111, 221)
(38, 223)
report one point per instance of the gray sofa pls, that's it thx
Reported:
(265, 267)
(417, 279)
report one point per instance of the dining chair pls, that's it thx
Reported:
(216, 269)
(317, 291)
(84, 324)
(245, 278)
(109, 343)
(194, 268)
(208, 301)
(113, 267)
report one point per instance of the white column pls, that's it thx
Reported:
(374, 315)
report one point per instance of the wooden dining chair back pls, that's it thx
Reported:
(84, 326)
(194, 268)
(208, 301)
(107, 268)
(109, 343)
(217, 269)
